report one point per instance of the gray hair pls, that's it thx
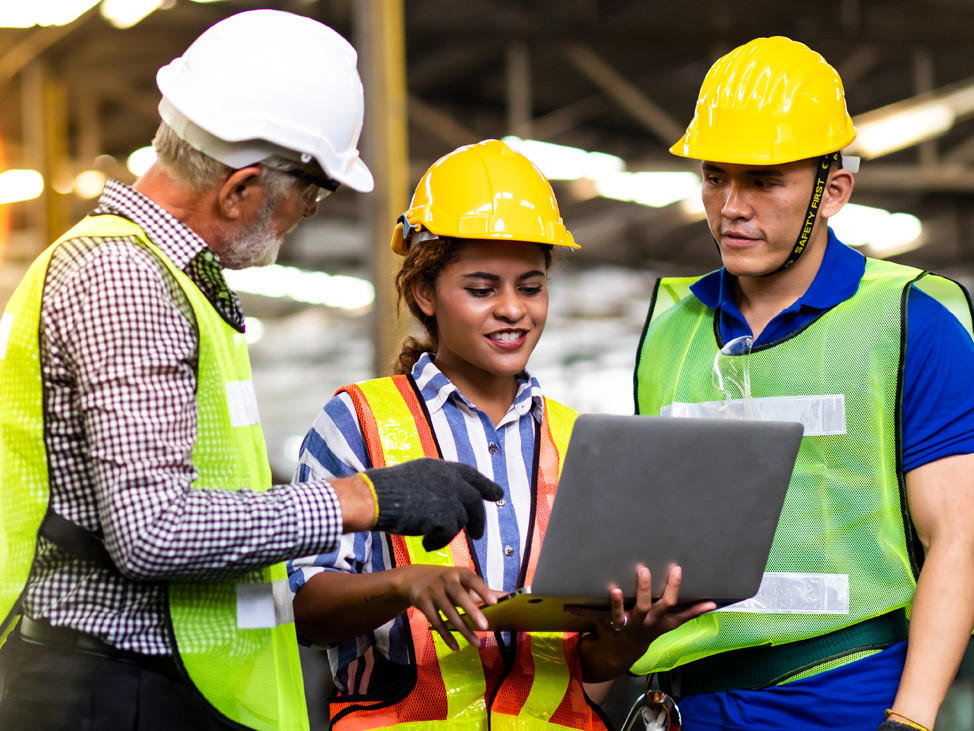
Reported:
(198, 171)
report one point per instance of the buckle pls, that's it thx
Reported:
(408, 229)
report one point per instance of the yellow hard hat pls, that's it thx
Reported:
(483, 191)
(770, 101)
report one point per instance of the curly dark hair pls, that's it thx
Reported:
(422, 265)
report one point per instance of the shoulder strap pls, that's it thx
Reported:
(71, 537)
(393, 420)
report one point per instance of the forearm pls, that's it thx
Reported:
(357, 500)
(940, 628)
(334, 606)
(602, 661)
(210, 534)
(941, 500)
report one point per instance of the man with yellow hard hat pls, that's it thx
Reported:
(866, 607)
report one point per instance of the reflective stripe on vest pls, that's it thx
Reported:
(235, 639)
(452, 689)
(847, 497)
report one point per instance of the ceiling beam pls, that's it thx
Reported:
(440, 124)
(517, 77)
(626, 94)
(34, 44)
(567, 117)
(891, 177)
(125, 94)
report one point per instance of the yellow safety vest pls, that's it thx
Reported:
(234, 639)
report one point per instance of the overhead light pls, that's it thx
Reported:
(316, 288)
(126, 13)
(896, 232)
(904, 129)
(141, 160)
(62, 181)
(655, 189)
(42, 12)
(292, 448)
(89, 184)
(560, 162)
(692, 206)
(254, 329)
(908, 122)
(20, 185)
(885, 233)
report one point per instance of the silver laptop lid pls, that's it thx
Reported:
(702, 493)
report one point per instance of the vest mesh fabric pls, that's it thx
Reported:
(442, 696)
(831, 665)
(252, 677)
(845, 512)
(23, 461)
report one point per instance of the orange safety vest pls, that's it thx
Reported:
(540, 686)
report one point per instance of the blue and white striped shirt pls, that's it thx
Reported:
(335, 447)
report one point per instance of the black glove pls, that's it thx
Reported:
(891, 725)
(432, 498)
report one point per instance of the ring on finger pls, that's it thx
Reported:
(619, 626)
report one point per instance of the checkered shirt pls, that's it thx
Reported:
(119, 348)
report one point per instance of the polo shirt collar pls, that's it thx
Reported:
(836, 281)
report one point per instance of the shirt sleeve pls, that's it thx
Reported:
(938, 391)
(335, 447)
(118, 322)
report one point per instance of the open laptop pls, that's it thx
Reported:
(702, 493)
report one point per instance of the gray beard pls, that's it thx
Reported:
(255, 247)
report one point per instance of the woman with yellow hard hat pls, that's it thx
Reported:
(476, 244)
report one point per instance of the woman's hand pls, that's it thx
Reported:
(622, 637)
(435, 589)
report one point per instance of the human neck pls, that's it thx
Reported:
(760, 299)
(491, 393)
(187, 206)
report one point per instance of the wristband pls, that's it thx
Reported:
(906, 721)
(375, 498)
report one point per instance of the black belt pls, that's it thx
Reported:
(760, 667)
(70, 640)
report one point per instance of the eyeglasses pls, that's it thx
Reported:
(732, 378)
(318, 188)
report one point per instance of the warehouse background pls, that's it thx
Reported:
(611, 83)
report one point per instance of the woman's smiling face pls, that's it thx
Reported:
(490, 306)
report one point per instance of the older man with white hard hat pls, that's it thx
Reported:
(140, 535)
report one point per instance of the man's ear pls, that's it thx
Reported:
(423, 294)
(838, 189)
(240, 193)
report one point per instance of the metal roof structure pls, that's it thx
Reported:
(616, 76)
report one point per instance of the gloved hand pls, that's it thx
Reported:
(893, 725)
(433, 498)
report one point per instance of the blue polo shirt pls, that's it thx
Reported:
(938, 386)
(938, 421)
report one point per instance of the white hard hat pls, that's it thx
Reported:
(267, 82)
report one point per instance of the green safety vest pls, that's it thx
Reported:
(234, 639)
(844, 549)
